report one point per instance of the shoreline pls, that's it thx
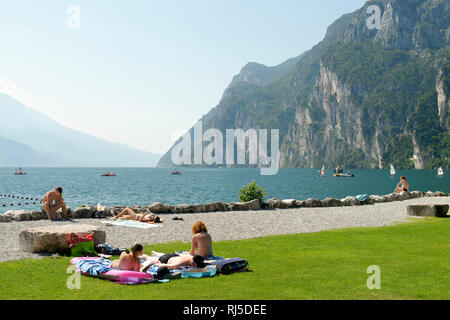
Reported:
(229, 225)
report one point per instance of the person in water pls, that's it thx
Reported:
(129, 261)
(52, 202)
(129, 214)
(201, 240)
(403, 185)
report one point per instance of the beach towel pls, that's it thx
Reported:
(132, 224)
(93, 267)
(99, 268)
(362, 197)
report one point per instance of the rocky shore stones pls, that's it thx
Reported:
(52, 239)
(158, 207)
(18, 215)
(5, 218)
(428, 210)
(240, 206)
(182, 208)
(312, 203)
(330, 202)
(83, 212)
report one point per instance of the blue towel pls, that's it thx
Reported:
(94, 267)
(361, 197)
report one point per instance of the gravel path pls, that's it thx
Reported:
(229, 225)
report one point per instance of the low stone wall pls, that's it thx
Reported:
(161, 208)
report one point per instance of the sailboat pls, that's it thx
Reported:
(322, 172)
(440, 172)
(392, 170)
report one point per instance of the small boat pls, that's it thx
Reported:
(175, 172)
(108, 174)
(440, 172)
(339, 172)
(392, 170)
(19, 172)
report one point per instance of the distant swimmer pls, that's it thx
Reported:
(52, 202)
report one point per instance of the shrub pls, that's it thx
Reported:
(251, 192)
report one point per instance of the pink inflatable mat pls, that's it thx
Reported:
(120, 276)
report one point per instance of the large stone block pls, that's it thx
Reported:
(53, 238)
(428, 210)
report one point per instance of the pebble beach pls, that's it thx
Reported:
(231, 225)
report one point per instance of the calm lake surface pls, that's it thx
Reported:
(142, 186)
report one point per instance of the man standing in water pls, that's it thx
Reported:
(52, 202)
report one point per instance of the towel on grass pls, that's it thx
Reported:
(132, 224)
(93, 267)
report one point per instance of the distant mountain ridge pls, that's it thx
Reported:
(32, 138)
(360, 98)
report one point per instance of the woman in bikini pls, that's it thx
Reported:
(129, 214)
(129, 261)
(201, 240)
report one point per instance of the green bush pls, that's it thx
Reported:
(251, 192)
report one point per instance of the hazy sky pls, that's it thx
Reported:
(138, 72)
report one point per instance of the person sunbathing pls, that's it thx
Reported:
(129, 214)
(175, 260)
(201, 240)
(129, 261)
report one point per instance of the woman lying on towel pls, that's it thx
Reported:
(129, 214)
(201, 240)
(129, 261)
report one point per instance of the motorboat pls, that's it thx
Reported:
(339, 172)
(108, 174)
(19, 172)
(175, 172)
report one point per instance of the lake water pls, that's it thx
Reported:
(142, 186)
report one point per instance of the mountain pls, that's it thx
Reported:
(32, 138)
(360, 98)
(19, 154)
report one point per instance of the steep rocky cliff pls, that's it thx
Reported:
(362, 97)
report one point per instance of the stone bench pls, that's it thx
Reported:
(52, 238)
(428, 210)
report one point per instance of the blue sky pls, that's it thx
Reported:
(140, 72)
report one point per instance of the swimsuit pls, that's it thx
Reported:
(165, 258)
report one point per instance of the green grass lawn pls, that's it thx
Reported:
(414, 259)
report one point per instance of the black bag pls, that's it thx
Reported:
(109, 250)
(227, 266)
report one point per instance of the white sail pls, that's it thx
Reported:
(322, 172)
(440, 171)
(392, 170)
